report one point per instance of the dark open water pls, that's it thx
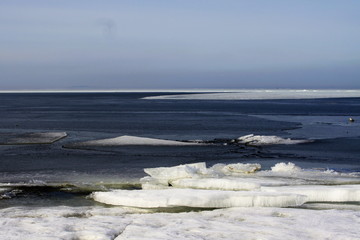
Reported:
(43, 171)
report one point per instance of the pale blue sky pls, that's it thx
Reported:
(116, 44)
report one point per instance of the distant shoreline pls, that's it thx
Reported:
(176, 90)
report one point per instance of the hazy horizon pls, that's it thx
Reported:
(89, 45)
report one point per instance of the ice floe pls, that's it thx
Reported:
(285, 167)
(176, 172)
(166, 198)
(258, 140)
(279, 175)
(195, 185)
(131, 140)
(31, 138)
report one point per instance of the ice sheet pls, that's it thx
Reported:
(132, 140)
(258, 140)
(61, 223)
(264, 94)
(31, 138)
(101, 223)
(166, 198)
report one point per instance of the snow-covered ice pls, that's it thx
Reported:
(258, 140)
(195, 185)
(104, 223)
(215, 184)
(247, 94)
(321, 193)
(221, 174)
(132, 140)
(165, 198)
(285, 167)
(176, 172)
(260, 212)
(235, 168)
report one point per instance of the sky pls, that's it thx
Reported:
(179, 44)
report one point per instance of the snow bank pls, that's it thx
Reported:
(258, 140)
(31, 138)
(166, 198)
(321, 193)
(132, 140)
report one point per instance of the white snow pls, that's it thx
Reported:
(259, 212)
(166, 198)
(263, 94)
(236, 168)
(133, 140)
(285, 167)
(338, 221)
(61, 223)
(259, 140)
(176, 172)
(279, 175)
(321, 193)
(104, 223)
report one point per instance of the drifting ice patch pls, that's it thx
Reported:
(236, 168)
(196, 198)
(31, 138)
(283, 167)
(321, 193)
(132, 140)
(280, 175)
(258, 140)
(177, 172)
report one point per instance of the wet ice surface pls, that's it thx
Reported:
(321, 127)
(129, 141)
(257, 140)
(31, 138)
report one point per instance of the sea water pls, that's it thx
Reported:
(75, 165)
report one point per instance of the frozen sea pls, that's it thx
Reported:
(245, 164)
